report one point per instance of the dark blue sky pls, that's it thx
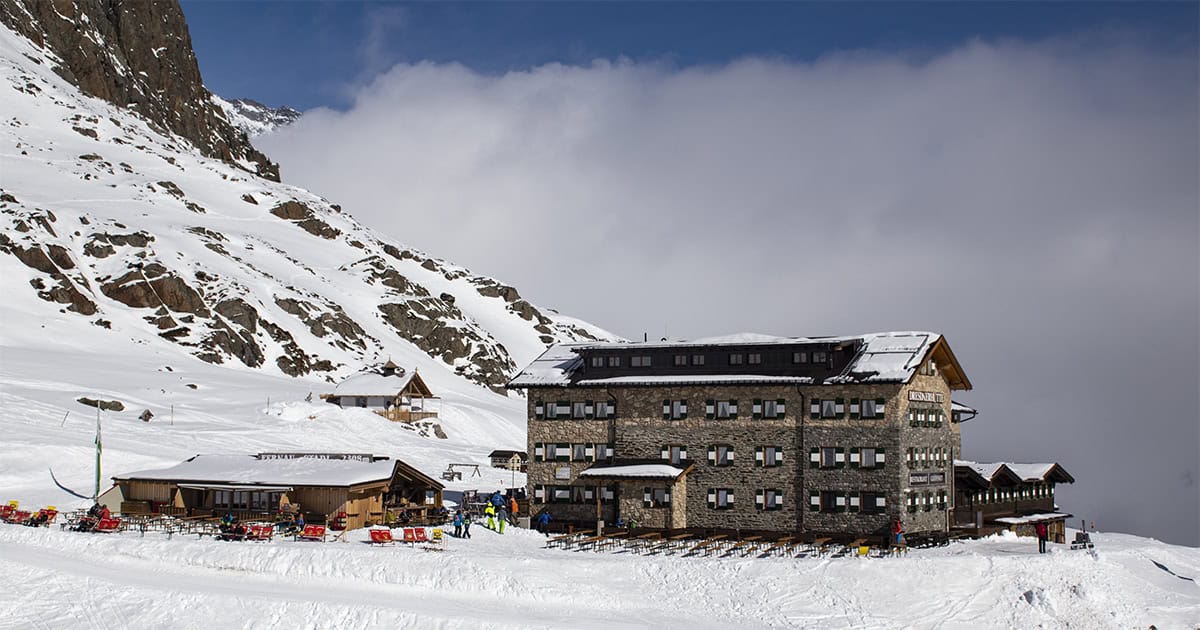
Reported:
(309, 54)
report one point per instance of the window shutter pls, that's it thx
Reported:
(758, 498)
(839, 503)
(589, 409)
(563, 452)
(683, 453)
(779, 498)
(667, 496)
(758, 455)
(815, 408)
(607, 493)
(710, 409)
(712, 454)
(756, 411)
(666, 452)
(839, 457)
(564, 409)
(880, 501)
(814, 501)
(539, 452)
(733, 409)
(854, 406)
(839, 407)
(778, 455)
(646, 498)
(589, 494)
(879, 458)
(539, 410)
(854, 457)
(729, 454)
(539, 493)
(712, 498)
(589, 452)
(666, 410)
(729, 497)
(880, 407)
(853, 502)
(683, 409)
(780, 408)
(814, 457)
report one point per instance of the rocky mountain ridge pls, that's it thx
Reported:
(255, 118)
(120, 219)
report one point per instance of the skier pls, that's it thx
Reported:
(490, 512)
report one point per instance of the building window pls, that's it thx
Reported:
(674, 409)
(360, 401)
(674, 453)
(680, 360)
(720, 498)
(614, 361)
(832, 502)
(582, 494)
(720, 409)
(754, 358)
(639, 361)
(697, 359)
(579, 452)
(873, 502)
(579, 410)
(831, 408)
(736, 358)
(656, 497)
(606, 409)
(799, 357)
(868, 409)
(820, 357)
(869, 457)
(768, 455)
(720, 455)
(830, 457)
(769, 499)
(769, 408)
(597, 361)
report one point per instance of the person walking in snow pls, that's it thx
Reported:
(501, 518)
(490, 512)
(1042, 533)
(543, 522)
(467, 525)
(512, 510)
(458, 523)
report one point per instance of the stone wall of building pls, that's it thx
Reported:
(947, 437)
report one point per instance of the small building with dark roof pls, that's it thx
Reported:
(509, 459)
(996, 496)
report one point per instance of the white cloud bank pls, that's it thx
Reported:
(1035, 202)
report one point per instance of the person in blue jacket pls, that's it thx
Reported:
(543, 522)
(458, 523)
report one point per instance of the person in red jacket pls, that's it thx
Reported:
(897, 533)
(1042, 533)
(104, 513)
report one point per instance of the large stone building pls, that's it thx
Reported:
(838, 435)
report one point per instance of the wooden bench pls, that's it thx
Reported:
(707, 544)
(746, 545)
(818, 546)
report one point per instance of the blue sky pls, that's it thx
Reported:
(310, 54)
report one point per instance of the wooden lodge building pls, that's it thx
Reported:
(259, 486)
(837, 435)
(996, 496)
(390, 391)
(509, 460)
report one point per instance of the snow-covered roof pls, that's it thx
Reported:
(553, 367)
(635, 471)
(883, 358)
(1024, 472)
(372, 384)
(1031, 518)
(250, 470)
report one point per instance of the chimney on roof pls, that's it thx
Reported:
(645, 336)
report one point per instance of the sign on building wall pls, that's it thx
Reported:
(933, 397)
(562, 472)
(354, 457)
(926, 478)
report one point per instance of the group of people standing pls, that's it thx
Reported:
(499, 510)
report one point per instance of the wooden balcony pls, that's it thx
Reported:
(406, 415)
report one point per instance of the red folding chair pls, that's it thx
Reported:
(421, 538)
(410, 535)
(381, 536)
(108, 525)
(313, 532)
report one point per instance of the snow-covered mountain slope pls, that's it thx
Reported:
(255, 118)
(115, 223)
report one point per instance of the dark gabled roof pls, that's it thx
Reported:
(503, 453)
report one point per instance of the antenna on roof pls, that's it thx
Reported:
(645, 336)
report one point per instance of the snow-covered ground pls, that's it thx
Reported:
(52, 578)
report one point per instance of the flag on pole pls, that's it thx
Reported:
(99, 449)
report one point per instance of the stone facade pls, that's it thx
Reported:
(808, 490)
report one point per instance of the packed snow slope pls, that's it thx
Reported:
(51, 578)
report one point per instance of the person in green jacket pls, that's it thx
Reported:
(490, 512)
